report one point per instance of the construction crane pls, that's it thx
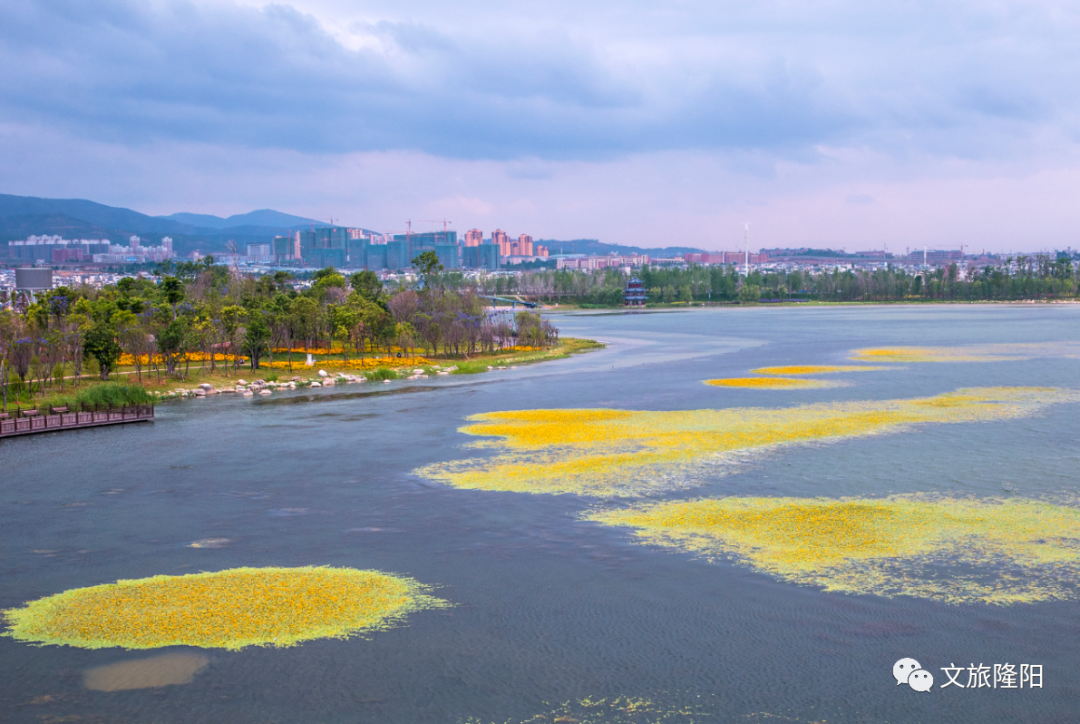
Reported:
(442, 221)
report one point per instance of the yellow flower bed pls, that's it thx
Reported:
(1008, 551)
(634, 452)
(368, 363)
(129, 359)
(306, 350)
(969, 353)
(770, 383)
(230, 609)
(815, 369)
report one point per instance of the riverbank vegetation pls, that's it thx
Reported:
(204, 320)
(1020, 278)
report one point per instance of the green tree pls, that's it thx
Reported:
(172, 341)
(427, 266)
(749, 293)
(367, 284)
(99, 342)
(172, 291)
(256, 336)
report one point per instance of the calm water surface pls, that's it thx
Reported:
(547, 608)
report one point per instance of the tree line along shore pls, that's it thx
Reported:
(203, 327)
(1035, 277)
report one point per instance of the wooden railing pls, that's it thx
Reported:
(60, 419)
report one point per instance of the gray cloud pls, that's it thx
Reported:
(958, 79)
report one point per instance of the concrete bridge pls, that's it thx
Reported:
(515, 302)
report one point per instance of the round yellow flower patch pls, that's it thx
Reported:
(816, 369)
(229, 609)
(969, 353)
(769, 383)
(954, 550)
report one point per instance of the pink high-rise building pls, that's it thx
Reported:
(502, 240)
(525, 245)
(474, 237)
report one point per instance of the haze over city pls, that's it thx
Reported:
(824, 124)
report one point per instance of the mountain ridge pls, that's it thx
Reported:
(22, 216)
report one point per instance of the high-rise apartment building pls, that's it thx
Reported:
(500, 239)
(406, 247)
(485, 256)
(324, 246)
(282, 248)
(525, 245)
(474, 237)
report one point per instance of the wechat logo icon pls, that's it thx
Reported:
(910, 672)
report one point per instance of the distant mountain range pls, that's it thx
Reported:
(22, 216)
(595, 246)
(262, 217)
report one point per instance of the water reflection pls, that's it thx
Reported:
(164, 670)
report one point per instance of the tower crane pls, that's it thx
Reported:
(445, 223)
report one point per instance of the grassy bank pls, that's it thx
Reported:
(99, 396)
(566, 347)
(124, 388)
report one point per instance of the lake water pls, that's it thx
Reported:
(547, 609)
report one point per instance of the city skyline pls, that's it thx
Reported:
(824, 124)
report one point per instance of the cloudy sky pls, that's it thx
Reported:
(821, 122)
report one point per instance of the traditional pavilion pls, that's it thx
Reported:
(634, 294)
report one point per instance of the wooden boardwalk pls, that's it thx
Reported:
(29, 424)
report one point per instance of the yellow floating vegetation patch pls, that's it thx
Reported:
(230, 609)
(969, 353)
(954, 550)
(770, 383)
(816, 369)
(636, 452)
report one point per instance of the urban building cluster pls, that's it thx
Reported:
(24, 285)
(347, 248)
(520, 247)
(57, 250)
(726, 257)
(611, 261)
(354, 248)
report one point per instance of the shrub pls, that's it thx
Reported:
(104, 395)
(381, 373)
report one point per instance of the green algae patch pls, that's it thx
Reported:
(626, 453)
(996, 551)
(229, 609)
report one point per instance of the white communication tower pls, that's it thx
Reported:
(746, 242)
